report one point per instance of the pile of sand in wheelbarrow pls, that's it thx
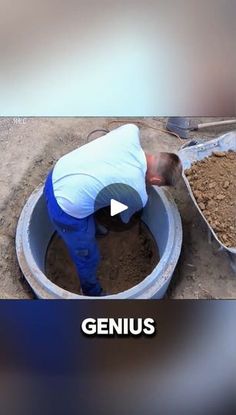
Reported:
(213, 182)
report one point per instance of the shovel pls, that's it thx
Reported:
(182, 125)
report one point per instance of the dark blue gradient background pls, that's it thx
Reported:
(48, 366)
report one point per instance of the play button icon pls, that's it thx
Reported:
(117, 207)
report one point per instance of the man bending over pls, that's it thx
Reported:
(78, 177)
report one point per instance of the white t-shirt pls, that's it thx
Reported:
(79, 176)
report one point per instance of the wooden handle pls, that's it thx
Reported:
(215, 123)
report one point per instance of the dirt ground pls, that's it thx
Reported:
(126, 259)
(30, 147)
(213, 182)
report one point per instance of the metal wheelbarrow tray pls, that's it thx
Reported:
(188, 155)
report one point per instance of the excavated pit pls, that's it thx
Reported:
(126, 259)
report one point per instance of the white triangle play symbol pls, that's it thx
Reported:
(116, 207)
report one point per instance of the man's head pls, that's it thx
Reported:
(163, 169)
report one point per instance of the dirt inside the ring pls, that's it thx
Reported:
(213, 182)
(126, 259)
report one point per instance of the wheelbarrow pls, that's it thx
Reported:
(190, 154)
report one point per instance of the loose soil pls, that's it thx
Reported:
(126, 259)
(213, 182)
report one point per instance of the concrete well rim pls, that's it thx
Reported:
(44, 288)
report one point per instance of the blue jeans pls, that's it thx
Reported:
(79, 237)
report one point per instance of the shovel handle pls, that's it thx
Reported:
(215, 123)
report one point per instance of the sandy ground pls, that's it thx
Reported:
(127, 257)
(29, 148)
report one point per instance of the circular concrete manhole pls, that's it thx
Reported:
(35, 231)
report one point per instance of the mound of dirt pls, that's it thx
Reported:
(126, 259)
(213, 182)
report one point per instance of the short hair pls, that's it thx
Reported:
(169, 168)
